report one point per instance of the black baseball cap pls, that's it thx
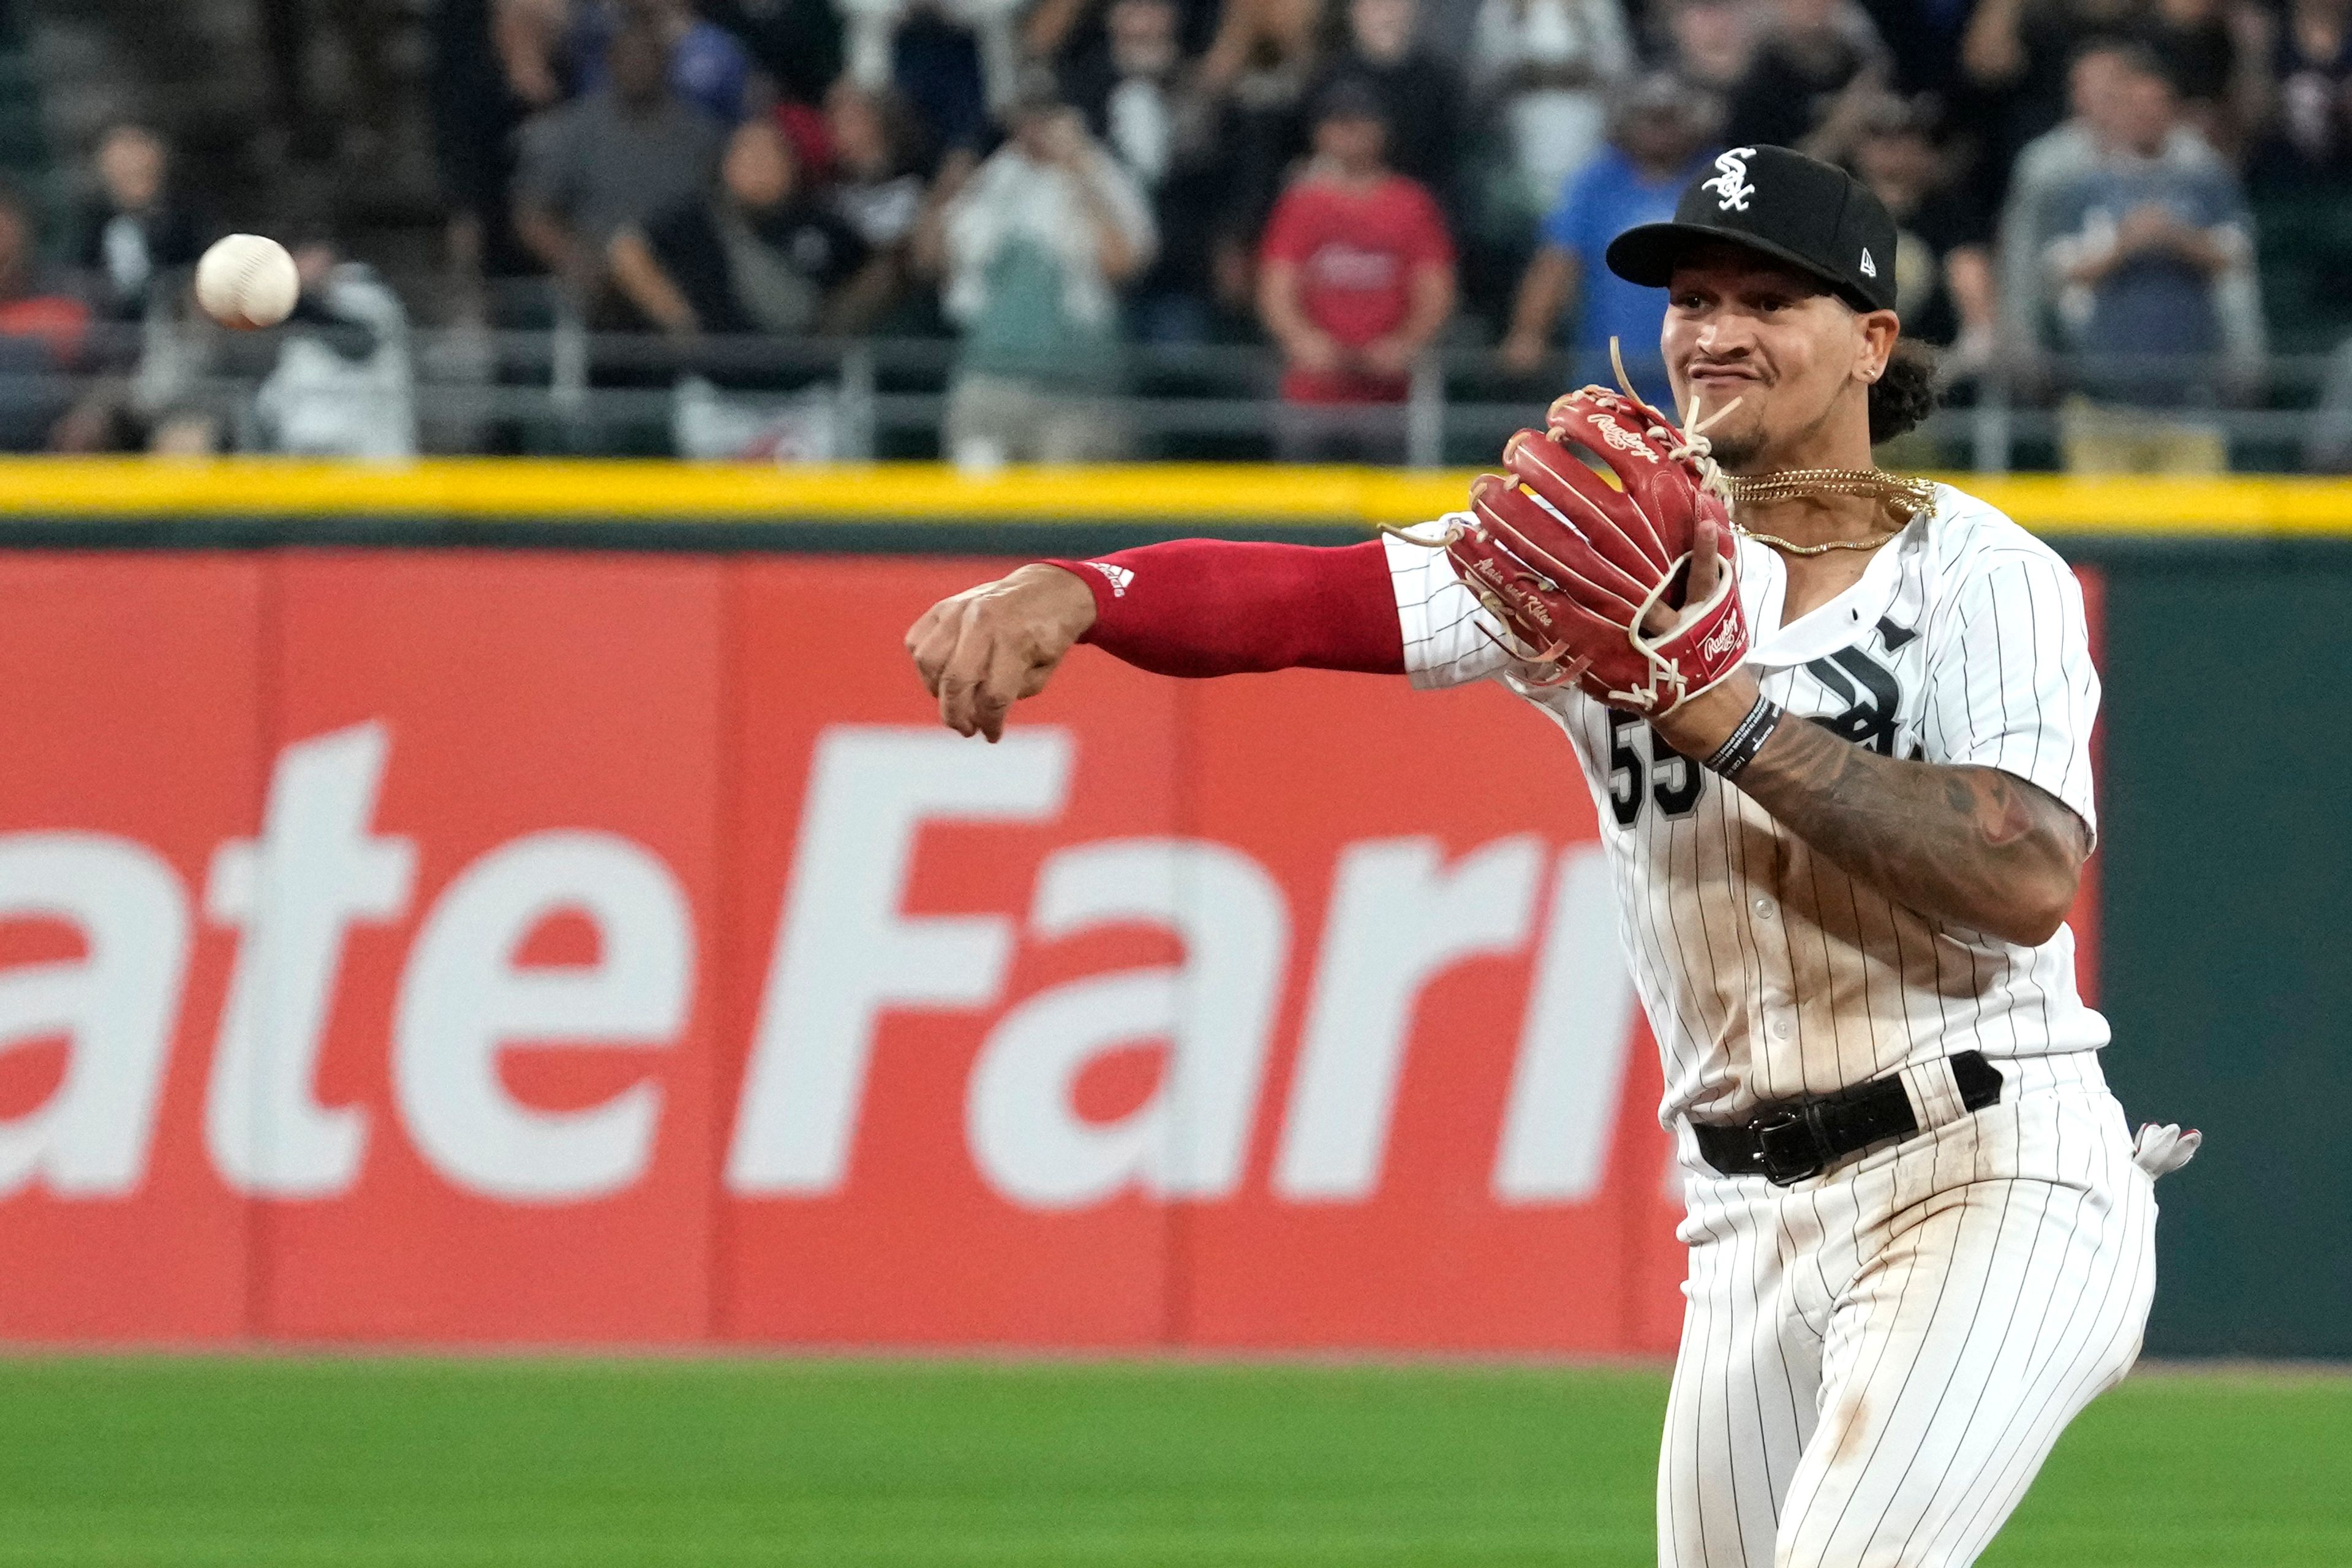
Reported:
(1774, 200)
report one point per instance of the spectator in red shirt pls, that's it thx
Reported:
(1355, 278)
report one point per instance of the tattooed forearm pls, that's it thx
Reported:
(1972, 845)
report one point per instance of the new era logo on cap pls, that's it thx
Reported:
(1799, 211)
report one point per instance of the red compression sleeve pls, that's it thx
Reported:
(1211, 606)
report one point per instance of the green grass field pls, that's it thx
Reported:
(521, 1463)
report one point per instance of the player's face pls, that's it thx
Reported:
(1795, 357)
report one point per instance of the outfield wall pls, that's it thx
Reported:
(589, 939)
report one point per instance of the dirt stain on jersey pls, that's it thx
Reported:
(1847, 1419)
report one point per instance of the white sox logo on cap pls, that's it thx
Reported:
(1731, 180)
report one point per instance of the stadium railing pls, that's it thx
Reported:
(567, 391)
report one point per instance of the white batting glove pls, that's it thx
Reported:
(2162, 1149)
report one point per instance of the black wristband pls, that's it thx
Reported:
(1732, 757)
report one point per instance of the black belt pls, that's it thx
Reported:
(1789, 1140)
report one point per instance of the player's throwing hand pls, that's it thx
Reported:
(987, 647)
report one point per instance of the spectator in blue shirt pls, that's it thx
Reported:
(1660, 131)
(2141, 248)
(709, 68)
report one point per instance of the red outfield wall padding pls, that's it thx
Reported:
(436, 947)
(133, 691)
(520, 1020)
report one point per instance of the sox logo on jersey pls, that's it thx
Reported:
(1869, 689)
(1875, 1361)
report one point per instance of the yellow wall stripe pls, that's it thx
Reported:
(592, 491)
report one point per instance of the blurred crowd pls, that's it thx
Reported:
(2089, 191)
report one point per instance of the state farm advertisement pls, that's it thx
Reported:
(525, 948)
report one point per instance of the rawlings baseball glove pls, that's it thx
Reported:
(1588, 577)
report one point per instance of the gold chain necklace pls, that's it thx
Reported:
(1907, 498)
(1776, 542)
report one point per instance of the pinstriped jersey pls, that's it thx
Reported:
(1765, 970)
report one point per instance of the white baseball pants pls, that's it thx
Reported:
(1875, 1361)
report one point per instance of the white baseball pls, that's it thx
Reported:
(247, 281)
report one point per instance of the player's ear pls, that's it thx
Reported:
(1875, 335)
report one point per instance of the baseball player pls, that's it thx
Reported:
(1837, 726)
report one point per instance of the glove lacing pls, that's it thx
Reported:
(1685, 444)
(1688, 443)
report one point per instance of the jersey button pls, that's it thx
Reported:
(1780, 1028)
(1763, 909)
